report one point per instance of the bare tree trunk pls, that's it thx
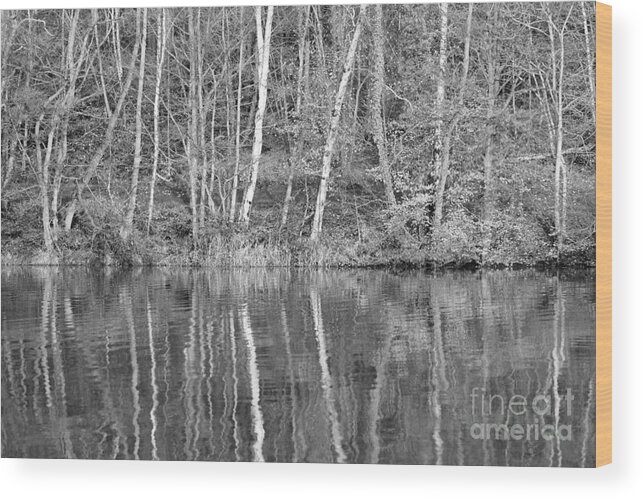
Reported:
(296, 154)
(43, 170)
(202, 118)
(561, 167)
(332, 132)
(72, 69)
(379, 133)
(107, 139)
(446, 149)
(10, 29)
(439, 105)
(590, 61)
(213, 172)
(63, 102)
(237, 138)
(192, 142)
(440, 91)
(492, 92)
(8, 169)
(263, 49)
(161, 40)
(126, 229)
(560, 174)
(118, 58)
(101, 72)
(227, 76)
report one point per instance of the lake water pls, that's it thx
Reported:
(299, 366)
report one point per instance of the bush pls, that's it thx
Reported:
(513, 238)
(456, 242)
(22, 228)
(171, 222)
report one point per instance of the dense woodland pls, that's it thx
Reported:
(311, 135)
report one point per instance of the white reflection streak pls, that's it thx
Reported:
(257, 416)
(376, 396)
(59, 371)
(189, 354)
(438, 377)
(235, 384)
(134, 385)
(327, 382)
(291, 379)
(44, 357)
(558, 357)
(155, 389)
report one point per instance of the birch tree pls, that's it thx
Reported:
(263, 53)
(379, 132)
(126, 229)
(193, 127)
(237, 136)
(303, 47)
(332, 132)
(557, 52)
(490, 55)
(161, 43)
(63, 102)
(97, 157)
(439, 105)
(445, 164)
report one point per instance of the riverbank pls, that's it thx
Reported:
(376, 237)
(240, 250)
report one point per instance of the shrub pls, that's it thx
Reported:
(22, 228)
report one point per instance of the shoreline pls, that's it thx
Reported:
(391, 265)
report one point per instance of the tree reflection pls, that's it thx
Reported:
(292, 366)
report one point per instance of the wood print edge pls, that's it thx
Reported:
(603, 234)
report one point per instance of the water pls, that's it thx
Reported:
(295, 366)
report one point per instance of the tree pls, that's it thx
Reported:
(62, 101)
(555, 115)
(379, 132)
(237, 136)
(107, 138)
(126, 229)
(161, 43)
(193, 126)
(332, 132)
(263, 54)
(445, 147)
(439, 105)
(301, 95)
(490, 54)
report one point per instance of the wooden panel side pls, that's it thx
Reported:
(603, 234)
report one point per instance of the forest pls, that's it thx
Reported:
(330, 135)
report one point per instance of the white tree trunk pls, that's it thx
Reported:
(379, 132)
(439, 132)
(263, 48)
(301, 74)
(161, 39)
(237, 139)
(193, 126)
(126, 229)
(332, 133)
(492, 91)
(107, 139)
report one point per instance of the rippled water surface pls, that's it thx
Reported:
(294, 366)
